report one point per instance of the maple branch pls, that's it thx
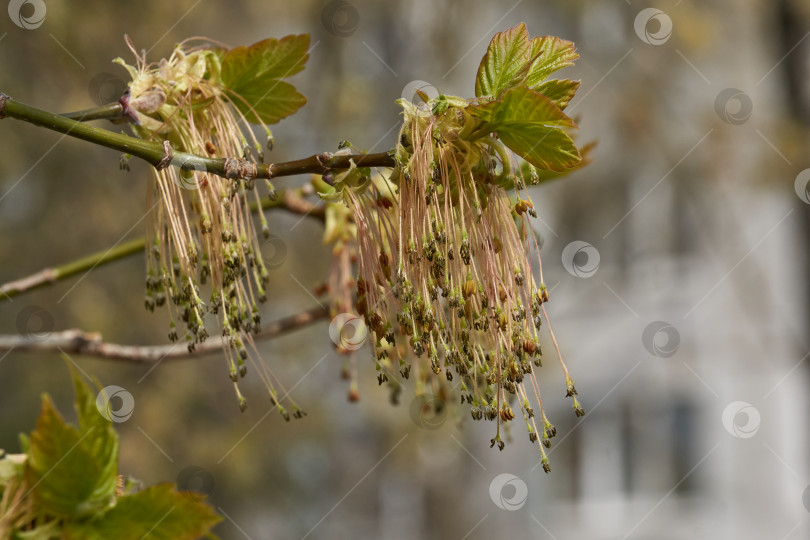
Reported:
(163, 155)
(112, 111)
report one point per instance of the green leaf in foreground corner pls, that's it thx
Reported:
(505, 63)
(530, 125)
(73, 470)
(158, 511)
(253, 74)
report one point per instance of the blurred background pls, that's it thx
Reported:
(677, 263)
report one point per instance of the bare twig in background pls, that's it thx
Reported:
(91, 344)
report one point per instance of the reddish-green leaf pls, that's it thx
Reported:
(548, 54)
(505, 63)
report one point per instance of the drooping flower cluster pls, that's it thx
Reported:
(202, 234)
(445, 283)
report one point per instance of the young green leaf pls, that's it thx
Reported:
(519, 106)
(548, 54)
(253, 74)
(158, 512)
(271, 101)
(559, 91)
(530, 124)
(505, 63)
(543, 147)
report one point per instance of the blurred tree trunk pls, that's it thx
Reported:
(793, 22)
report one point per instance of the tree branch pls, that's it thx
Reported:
(112, 112)
(49, 276)
(163, 155)
(91, 344)
(291, 200)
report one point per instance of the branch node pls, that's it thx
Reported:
(322, 158)
(3, 98)
(239, 168)
(126, 109)
(166, 160)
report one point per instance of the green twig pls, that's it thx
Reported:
(112, 111)
(49, 276)
(290, 200)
